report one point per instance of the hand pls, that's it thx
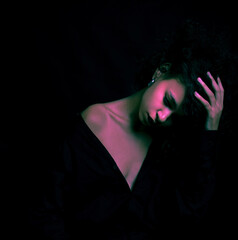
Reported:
(215, 107)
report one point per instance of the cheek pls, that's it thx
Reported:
(144, 106)
(150, 102)
(145, 101)
(151, 98)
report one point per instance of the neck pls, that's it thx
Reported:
(127, 109)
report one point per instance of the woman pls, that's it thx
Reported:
(130, 169)
(116, 123)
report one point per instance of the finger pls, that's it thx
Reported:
(221, 91)
(214, 83)
(220, 85)
(202, 100)
(218, 89)
(208, 92)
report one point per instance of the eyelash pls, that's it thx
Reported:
(167, 102)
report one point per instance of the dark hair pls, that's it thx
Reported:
(192, 51)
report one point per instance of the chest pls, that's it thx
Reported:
(127, 149)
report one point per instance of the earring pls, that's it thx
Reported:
(151, 82)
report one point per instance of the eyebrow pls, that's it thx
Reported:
(172, 100)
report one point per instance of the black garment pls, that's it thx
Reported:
(87, 197)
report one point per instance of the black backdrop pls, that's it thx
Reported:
(63, 57)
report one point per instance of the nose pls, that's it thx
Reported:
(164, 114)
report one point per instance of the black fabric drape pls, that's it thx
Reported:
(59, 58)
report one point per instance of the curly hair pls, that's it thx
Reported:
(191, 51)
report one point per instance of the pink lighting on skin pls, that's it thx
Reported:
(162, 99)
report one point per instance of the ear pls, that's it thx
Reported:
(157, 74)
(164, 68)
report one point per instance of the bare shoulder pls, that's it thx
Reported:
(94, 116)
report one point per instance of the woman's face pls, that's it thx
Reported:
(160, 101)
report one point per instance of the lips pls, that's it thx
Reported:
(155, 123)
(150, 121)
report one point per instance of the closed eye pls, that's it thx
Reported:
(166, 101)
(169, 101)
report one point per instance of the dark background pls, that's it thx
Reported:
(60, 58)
